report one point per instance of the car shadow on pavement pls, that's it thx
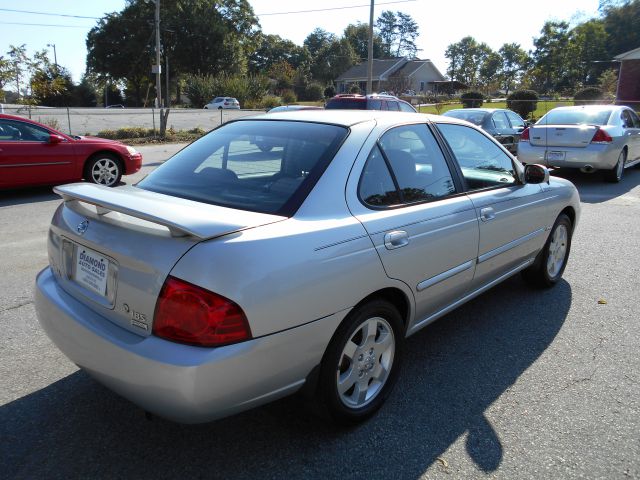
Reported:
(453, 371)
(594, 188)
(10, 198)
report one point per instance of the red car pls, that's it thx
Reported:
(34, 154)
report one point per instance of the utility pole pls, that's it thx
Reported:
(55, 56)
(167, 95)
(370, 52)
(157, 66)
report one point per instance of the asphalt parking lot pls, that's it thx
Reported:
(518, 383)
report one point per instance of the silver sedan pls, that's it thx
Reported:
(233, 275)
(594, 137)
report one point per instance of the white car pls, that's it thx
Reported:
(593, 137)
(221, 103)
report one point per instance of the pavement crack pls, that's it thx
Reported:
(14, 307)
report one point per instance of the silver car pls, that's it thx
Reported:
(594, 137)
(232, 276)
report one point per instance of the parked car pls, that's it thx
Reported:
(257, 273)
(506, 126)
(34, 154)
(591, 137)
(368, 102)
(290, 108)
(221, 103)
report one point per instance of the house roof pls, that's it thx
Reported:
(413, 66)
(630, 55)
(380, 68)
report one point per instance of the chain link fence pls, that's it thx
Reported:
(92, 121)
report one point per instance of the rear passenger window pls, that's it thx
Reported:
(419, 171)
(376, 185)
(516, 121)
(391, 105)
(405, 107)
(500, 121)
(483, 163)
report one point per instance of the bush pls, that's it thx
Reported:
(202, 88)
(126, 132)
(269, 101)
(288, 97)
(523, 102)
(471, 99)
(588, 96)
(330, 91)
(354, 89)
(314, 92)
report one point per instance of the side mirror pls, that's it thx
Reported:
(55, 138)
(534, 173)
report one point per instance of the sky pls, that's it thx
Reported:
(494, 22)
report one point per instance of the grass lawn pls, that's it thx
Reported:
(543, 107)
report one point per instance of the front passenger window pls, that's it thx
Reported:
(483, 163)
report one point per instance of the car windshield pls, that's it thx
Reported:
(473, 117)
(575, 117)
(349, 104)
(257, 165)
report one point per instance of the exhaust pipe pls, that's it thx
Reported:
(587, 169)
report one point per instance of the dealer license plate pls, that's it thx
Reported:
(92, 270)
(551, 156)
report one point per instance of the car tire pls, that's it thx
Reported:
(361, 363)
(103, 169)
(615, 174)
(551, 261)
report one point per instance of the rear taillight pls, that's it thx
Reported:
(601, 137)
(524, 136)
(186, 313)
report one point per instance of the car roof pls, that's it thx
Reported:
(485, 110)
(594, 108)
(347, 118)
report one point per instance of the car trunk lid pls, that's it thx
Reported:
(562, 135)
(112, 248)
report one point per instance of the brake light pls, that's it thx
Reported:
(601, 137)
(186, 313)
(524, 136)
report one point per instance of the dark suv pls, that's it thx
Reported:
(369, 102)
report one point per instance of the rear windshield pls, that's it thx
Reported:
(349, 104)
(576, 117)
(473, 117)
(257, 165)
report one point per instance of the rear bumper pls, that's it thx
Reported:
(600, 157)
(183, 383)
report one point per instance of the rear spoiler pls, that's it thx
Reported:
(182, 217)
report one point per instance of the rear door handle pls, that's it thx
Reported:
(396, 239)
(487, 214)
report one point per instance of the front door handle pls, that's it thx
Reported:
(396, 239)
(487, 214)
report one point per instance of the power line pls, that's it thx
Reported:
(333, 8)
(44, 25)
(47, 13)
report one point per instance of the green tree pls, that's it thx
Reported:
(333, 60)
(6, 75)
(19, 63)
(358, 36)
(318, 40)
(550, 57)
(466, 57)
(621, 20)
(514, 63)
(398, 32)
(197, 36)
(51, 84)
(273, 49)
(587, 50)
(490, 71)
